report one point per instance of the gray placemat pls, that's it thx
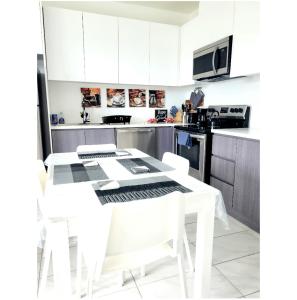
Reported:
(77, 173)
(153, 164)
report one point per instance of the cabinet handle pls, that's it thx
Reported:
(213, 60)
(134, 130)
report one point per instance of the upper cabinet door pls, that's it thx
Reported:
(101, 48)
(245, 49)
(64, 44)
(215, 22)
(164, 54)
(134, 51)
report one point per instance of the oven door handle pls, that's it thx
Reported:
(198, 137)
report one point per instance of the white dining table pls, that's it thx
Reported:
(67, 201)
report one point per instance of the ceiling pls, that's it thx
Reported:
(168, 12)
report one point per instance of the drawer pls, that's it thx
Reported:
(226, 190)
(224, 146)
(222, 169)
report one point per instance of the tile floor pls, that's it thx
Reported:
(235, 270)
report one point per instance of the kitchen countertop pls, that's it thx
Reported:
(94, 125)
(248, 133)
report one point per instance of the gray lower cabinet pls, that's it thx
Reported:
(100, 136)
(246, 199)
(67, 140)
(164, 141)
(235, 171)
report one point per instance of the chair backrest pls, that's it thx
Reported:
(132, 226)
(181, 164)
(143, 224)
(96, 148)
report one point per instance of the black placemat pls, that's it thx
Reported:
(102, 155)
(130, 190)
(77, 173)
(153, 164)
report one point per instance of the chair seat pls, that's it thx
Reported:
(135, 259)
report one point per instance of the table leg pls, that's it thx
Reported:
(204, 244)
(61, 260)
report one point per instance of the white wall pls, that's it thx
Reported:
(65, 97)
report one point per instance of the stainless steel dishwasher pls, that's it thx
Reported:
(140, 138)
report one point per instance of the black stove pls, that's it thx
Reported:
(219, 117)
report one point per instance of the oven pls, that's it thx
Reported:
(197, 154)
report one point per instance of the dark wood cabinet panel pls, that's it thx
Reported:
(164, 141)
(246, 200)
(67, 140)
(224, 146)
(222, 169)
(226, 190)
(100, 136)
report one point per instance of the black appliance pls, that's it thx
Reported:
(214, 117)
(43, 127)
(213, 60)
(116, 119)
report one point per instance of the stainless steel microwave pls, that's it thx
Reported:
(213, 60)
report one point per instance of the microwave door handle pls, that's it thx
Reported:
(213, 60)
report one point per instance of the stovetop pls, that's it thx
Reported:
(193, 128)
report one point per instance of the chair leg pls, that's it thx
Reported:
(142, 271)
(44, 273)
(78, 272)
(122, 278)
(187, 247)
(182, 277)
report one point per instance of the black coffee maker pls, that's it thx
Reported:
(202, 118)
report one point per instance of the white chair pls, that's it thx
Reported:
(101, 148)
(181, 165)
(50, 232)
(131, 234)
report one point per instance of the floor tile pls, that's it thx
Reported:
(104, 285)
(234, 226)
(235, 245)
(191, 218)
(244, 273)
(155, 271)
(219, 228)
(254, 295)
(220, 287)
(127, 294)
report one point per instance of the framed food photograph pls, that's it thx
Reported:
(115, 97)
(157, 98)
(137, 98)
(161, 115)
(90, 97)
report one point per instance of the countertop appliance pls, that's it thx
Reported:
(217, 116)
(214, 60)
(116, 119)
(139, 138)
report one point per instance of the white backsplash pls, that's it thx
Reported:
(66, 97)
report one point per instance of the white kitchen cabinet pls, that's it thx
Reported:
(164, 54)
(64, 44)
(214, 22)
(101, 48)
(245, 49)
(133, 51)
